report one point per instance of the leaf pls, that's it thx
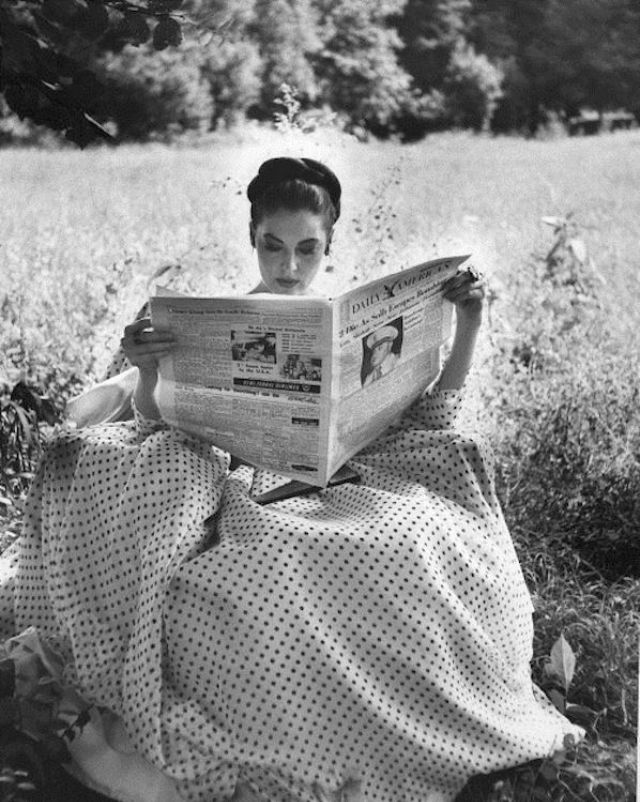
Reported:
(578, 249)
(45, 27)
(557, 698)
(582, 715)
(22, 99)
(167, 33)
(20, 50)
(562, 663)
(85, 91)
(164, 6)
(61, 11)
(134, 28)
(27, 429)
(553, 221)
(93, 21)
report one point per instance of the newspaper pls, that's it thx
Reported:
(298, 384)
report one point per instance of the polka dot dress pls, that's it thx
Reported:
(373, 636)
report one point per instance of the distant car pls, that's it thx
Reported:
(589, 122)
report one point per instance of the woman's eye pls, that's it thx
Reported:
(308, 250)
(270, 246)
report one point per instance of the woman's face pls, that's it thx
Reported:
(290, 247)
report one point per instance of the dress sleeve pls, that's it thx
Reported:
(435, 409)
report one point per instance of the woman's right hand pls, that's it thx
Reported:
(144, 346)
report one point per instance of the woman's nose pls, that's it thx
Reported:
(290, 265)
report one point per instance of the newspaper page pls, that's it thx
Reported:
(253, 375)
(387, 348)
(297, 385)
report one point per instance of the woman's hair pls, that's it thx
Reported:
(294, 184)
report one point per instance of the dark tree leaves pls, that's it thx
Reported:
(60, 11)
(93, 20)
(133, 28)
(164, 6)
(41, 76)
(167, 33)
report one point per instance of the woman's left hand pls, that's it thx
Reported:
(467, 291)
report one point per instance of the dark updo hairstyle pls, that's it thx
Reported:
(295, 184)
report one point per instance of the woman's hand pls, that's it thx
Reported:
(466, 290)
(144, 346)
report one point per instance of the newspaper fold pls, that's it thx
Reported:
(297, 384)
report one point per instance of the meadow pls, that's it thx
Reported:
(555, 388)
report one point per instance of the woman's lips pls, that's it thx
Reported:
(287, 282)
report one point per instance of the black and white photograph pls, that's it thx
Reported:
(209, 213)
(381, 351)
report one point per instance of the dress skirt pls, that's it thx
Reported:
(369, 641)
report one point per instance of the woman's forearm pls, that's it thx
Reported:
(144, 394)
(456, 368)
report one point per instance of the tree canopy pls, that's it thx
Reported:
(134, 69)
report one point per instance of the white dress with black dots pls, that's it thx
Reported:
(374, 636)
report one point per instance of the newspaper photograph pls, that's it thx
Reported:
(298, 385)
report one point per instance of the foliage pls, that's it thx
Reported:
(573, 470)
(586, 53)
(472, 87)
(156, 93)
(357, 65)
(559, 56)
(431, 30)
(398, 67)
(285, 32)
(22, 410)
(440, 59)
(44, 75)
(232, 71)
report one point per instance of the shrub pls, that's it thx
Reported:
(232, 72)
(565, 405)
(472, 87)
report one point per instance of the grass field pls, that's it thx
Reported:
(556, 385)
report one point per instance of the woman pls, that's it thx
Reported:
(368, 642)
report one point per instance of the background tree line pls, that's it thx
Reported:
(157, 68)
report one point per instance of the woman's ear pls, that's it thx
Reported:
(327, 247)
(252, 234)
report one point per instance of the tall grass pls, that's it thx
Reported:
(555, 386)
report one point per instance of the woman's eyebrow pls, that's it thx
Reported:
(308, 241)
